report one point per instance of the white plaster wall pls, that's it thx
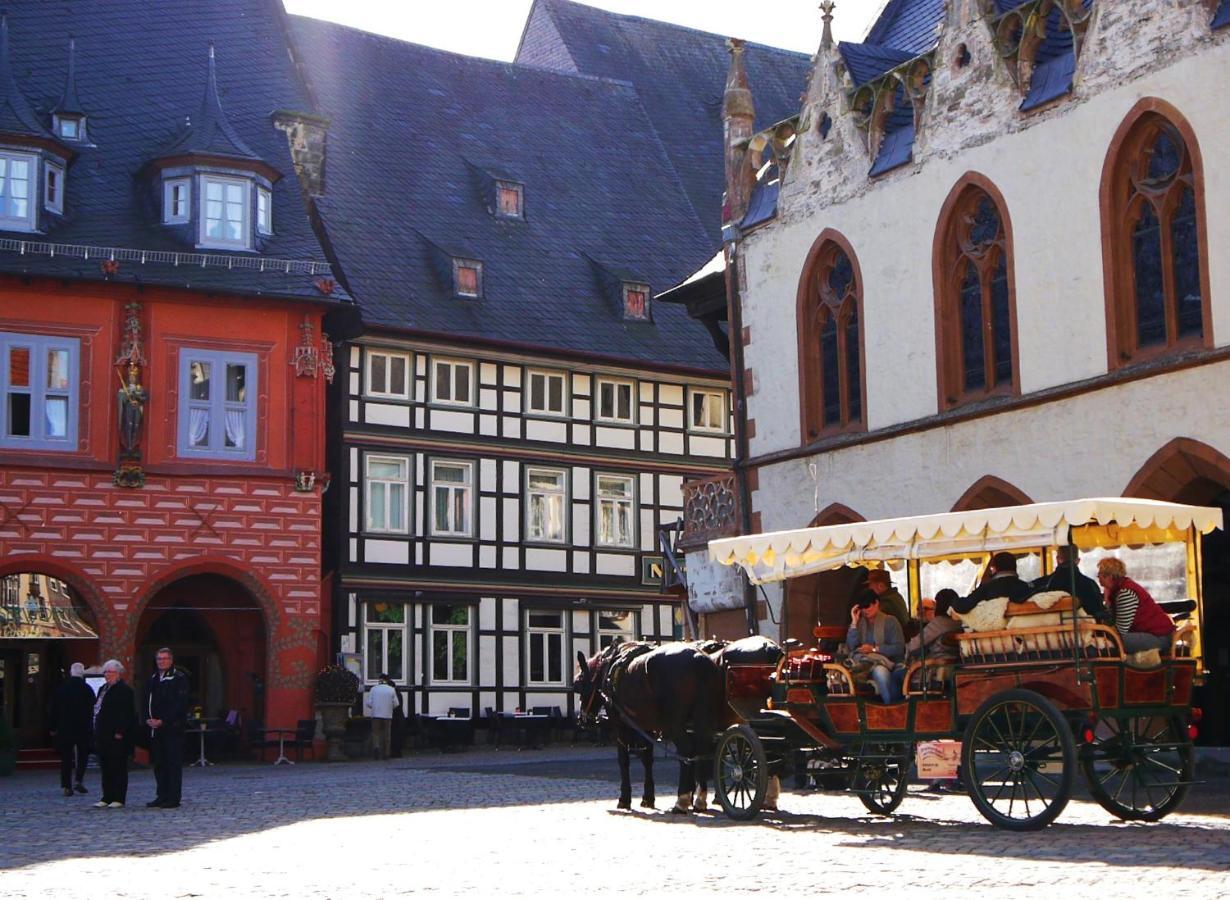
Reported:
(1048, 170)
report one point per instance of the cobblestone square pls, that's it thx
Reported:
(543, 822)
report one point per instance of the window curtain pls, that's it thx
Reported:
(198, 427)
(235, 427)
(56, 409)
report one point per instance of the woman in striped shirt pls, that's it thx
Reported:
(1141, 623)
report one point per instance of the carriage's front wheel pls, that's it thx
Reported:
(741, 772)
(1139, 767)
(1018, 760)
(882, 776)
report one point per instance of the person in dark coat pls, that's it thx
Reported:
(72, 720)
(1004, 582)
(1087, 590)
(115, 732)
(168, 716)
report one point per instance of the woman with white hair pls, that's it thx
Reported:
(115, 731)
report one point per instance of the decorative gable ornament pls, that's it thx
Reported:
(306, 359)
(1040, 41)
(888, 110)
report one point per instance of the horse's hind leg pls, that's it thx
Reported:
(647, 799)
(625, 778)
(687, 783)
(701, 803)
(771, 794)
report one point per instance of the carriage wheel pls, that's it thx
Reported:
(741, 772)
(882, 777)
(1018, 760)
(1138, 768)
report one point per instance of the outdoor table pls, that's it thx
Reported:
(282, 733)
(202, 727)
(447, 731)
(534, 729)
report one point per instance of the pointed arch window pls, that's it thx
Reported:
(976, 314)
(830, 342)
(1153, 217)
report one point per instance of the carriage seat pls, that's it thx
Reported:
(930, 677)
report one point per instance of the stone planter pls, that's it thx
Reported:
(333, 720)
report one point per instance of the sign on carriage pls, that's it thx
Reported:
(938, 760)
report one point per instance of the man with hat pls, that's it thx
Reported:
(875, 639)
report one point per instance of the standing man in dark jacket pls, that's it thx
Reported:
(115, 732)
(168, 715)
(1003, 582)
(72, 722)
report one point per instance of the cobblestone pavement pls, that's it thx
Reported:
(543, 822)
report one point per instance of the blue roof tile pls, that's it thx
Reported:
(1221, 18)
(910, 25)
(867, 62)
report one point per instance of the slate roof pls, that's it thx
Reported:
(415, 136)
(904, 30)
(16, 114)
(1221, 18)
(139, 71)
(679, 74)
(867, 62)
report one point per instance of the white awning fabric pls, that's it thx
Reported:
(1099, 521)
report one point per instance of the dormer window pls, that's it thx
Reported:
(509, 200)
(225, 216)
(636, 302)
(468, 278)
(53, 188)
(176, 200)
(17, 184)
(70, 128)
(264, 211)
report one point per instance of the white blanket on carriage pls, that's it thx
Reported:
(989, 615)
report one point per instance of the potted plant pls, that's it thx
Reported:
(336, 691)
(8, 749)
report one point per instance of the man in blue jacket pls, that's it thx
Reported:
(168, 716)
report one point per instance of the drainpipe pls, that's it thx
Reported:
(734, 315)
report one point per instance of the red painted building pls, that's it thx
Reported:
(162, 366)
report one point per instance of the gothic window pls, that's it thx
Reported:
(974, 285)
(1153, 209)
(830, 349)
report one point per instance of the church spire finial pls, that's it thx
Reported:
(826, 10)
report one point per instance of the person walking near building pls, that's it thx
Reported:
(72, 721)
(168, 715)
(381, 700)
(115, 732)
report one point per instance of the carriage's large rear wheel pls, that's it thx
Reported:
(1018, 760)
(1138, 767)
(882, 776)
(741, 772)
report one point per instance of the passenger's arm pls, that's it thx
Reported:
(1126, 602)
(894, 640)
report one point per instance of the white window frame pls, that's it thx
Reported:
(614, 501)
(540, 635)
(39, 345)
(385, 486)
(217, 404)
(546, 375)
(559, 494)
(264, 210)
(53, 173)
(18, 223)
(705, 428)
(601, 632)
(453, 632)
(615, 384)
(384, 628)
(169, 215)
(389, 356)
(452, 365)
(452, 488)
(245, 224)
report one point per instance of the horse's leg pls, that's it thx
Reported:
(701, 769)
(625, 776)
(772, 792)
(647, 799)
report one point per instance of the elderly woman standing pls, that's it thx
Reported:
(1141, 623)
(115, 730)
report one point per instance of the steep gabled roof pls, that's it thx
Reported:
(868, 61)
(909, 25)
(411, 126)
(140, 68)
(679, 74)
(209, 131)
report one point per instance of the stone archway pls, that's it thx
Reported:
(836, 514)
(1183, 471)
(988, 492)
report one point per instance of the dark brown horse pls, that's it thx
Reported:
(673, 692)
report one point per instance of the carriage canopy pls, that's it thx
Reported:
(1105, 522)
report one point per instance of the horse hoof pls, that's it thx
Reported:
(647, 804)
(680, 811)
(769, 807)
(624, 804)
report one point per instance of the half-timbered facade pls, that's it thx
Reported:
(518, 414)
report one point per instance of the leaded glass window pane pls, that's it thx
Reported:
(1186, 249)
(854, 387)
(973, 362)
(830, 369)
(1001, 323)
(1147, 268)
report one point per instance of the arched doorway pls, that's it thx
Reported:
(1189, 471)
(217, 631)
(989, 492)
(45, 627)
(822, 598)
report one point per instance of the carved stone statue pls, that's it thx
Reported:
(131, 400)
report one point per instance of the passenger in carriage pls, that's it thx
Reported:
(1141, 623)
(881, 584)
(937, 625)
(875, 640)
(1087, 590)
(1003, 582)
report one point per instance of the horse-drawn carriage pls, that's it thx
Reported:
(1031, 705)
